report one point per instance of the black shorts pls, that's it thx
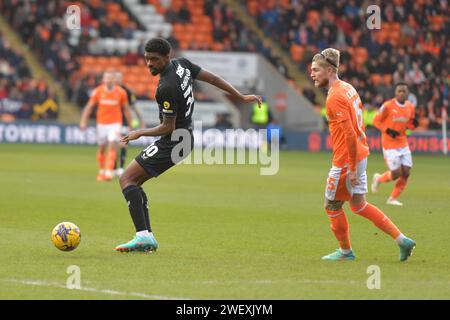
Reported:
(157, 157)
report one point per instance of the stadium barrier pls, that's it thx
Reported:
(45, 133)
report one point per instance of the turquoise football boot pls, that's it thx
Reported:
(139, 243)
(406, 248)
(339, 256)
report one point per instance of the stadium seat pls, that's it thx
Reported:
(375, 79)
(297, 52)
(387, 79)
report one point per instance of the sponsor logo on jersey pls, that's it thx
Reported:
(109, 102)
(166, 104)
(400, 119)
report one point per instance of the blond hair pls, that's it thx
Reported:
(328, 57)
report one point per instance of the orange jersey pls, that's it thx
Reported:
(344, 104)
(395, 116)
(109, 104)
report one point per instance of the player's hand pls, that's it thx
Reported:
(354, 181)
(133, 135)
(252, 98)
(392, 133)
(83, 126)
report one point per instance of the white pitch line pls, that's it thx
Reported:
(105, 291)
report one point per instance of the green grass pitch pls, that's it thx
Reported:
(225, 232)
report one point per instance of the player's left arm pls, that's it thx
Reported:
(125, 106)
(138, 115)
(217, 81)
(133, 108)
(413, 121)
(380, 117)
(127, 114)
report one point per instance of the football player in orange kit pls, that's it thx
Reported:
(111, 101)
(393, 119)
(347, 179)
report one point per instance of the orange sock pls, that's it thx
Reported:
(399, 186)
(339, 226)
(379, 219)
(110, 162)
(101, 160)
(385, 177)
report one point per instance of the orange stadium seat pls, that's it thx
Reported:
(387, 79)
(297, 52)
(375, 79)
(253, 7)
(115, 61)
(313, 17)
(361, 55)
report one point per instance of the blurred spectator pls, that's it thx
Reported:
(261, 116)
(413, 45)
(223, 121)
(18, 91)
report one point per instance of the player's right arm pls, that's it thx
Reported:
(86, 113)
(380, 122)
(381, 115)
(215, 80)
(339, 113)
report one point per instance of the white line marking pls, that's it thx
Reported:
(106, 291)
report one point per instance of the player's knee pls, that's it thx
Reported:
(396, 173)
(333, 205)
(125, 181)
(406, 173)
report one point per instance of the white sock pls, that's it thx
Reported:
(346, 251)
(102, 171)
(400, 238)
(143, 233)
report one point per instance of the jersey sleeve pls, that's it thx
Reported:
(123, 98)
(337, 109)
(168, 102)
(195, 69)
(412, 118)
(93, 99)
(381, 115)
(131, 98)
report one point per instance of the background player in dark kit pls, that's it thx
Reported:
(175, 100)
(120, 161)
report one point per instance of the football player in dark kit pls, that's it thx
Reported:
(175, 100)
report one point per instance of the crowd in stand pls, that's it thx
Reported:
(417, 52)
(228, 30)
(419, 56)
(21, 97)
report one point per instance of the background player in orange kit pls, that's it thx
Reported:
(111, 101)
(347, 179)
(393, 119)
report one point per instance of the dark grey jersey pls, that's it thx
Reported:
(174, 95)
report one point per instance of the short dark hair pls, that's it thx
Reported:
(401, 84)
(158, 45)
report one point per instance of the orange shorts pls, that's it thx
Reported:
(338, 185)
